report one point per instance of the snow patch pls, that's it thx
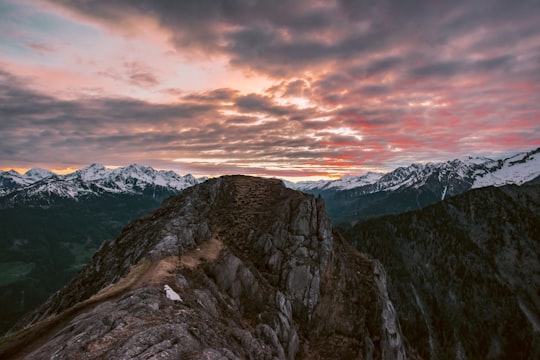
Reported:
(529, 315)
(517, 169)
(444, 192)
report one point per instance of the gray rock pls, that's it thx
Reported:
(260, 273)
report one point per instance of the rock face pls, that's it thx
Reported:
(464, 273)
(236, 267)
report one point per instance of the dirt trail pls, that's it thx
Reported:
(143, 274)
(207, 251)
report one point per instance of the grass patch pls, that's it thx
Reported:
(82, 254)
(11, 272)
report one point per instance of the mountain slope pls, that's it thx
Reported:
(418, 185)
(42, 248)
(236, 267)
(11, 180)
(51, 225)
(517, 169)
(464, 272)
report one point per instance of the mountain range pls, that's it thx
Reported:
(353, 198)
(430, 182)
(459, 240)
(476, 171)
(38, 186)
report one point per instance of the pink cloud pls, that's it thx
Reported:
(312, 87)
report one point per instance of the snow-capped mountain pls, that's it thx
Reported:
(132, 178)
(517, 169)
(11, 180)
(345, 183)
(36, 174)
(94, 179)
(418, 185)
(474, 171)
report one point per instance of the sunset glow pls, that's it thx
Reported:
(293, 89)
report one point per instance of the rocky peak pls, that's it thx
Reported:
(90, 173)
(36, 174)
(236, 267)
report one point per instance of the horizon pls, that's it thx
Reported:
(294, 179)
(297, 90)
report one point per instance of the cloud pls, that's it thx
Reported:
(224, 130)
(349, 85)
(41, 48)
(119, 130)
(140, 75)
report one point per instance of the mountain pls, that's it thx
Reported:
(93, 180)
(235, 267)
(345, 183)
(464, 273)
(408, 188)
(11, 180)
(516, 169)
(51, 225)
(479, 171)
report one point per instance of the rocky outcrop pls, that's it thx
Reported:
(237, 267)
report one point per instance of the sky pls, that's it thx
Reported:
(294, 89)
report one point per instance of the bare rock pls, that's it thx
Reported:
(260, 274)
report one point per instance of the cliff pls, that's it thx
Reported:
(236, 267)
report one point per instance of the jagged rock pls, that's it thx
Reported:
(260, 274)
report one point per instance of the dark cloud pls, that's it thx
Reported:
(381, 65)
(213, 95)
(261, 104)
(405, 75)
(241, 120)
(112, 129)
(291, 37)
(374, 90)
(499, 62)
(447, 68)
(452, 68)
(299, 88)
(140, 74)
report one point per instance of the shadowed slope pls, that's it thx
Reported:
(465, 272)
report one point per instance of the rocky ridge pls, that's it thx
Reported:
(236, 267)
